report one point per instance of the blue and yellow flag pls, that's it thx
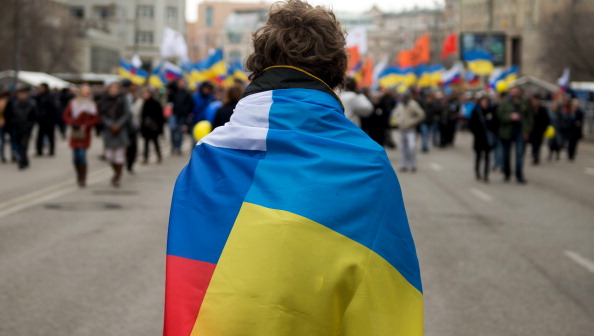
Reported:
(479, 61)
(135, 75)
(289, 220)
(393, 76)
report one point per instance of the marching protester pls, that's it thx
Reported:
(378, 123)
(557, 120)
(483, 125)
(408, 115)
(46, 119)
(295, 190)
(21, 116)
(64, 97)
(430, 126)
(202, 99)
(449, 120)
(572, 127)
(541, 122)
(515, 124)
(179, 121)
(81, 115)
(4, 100)
(115, 116)
(232, 96)
(356, 105)
(134, 105)
(151, 124)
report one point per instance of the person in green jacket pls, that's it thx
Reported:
(515, 124)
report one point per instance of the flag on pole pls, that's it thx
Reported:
(157, 78)
(395, 76)
(479, 61)
(563, 81)
(357, 37)
(172, 72)
(450, 46)
(354, 60)
(135, 75)
(173, 45)
(452, 75)
(416, 56)
(289, 220)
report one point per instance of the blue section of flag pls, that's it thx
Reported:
(196, 230)
(477, 55)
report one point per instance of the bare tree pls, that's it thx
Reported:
(568, 41)
(45, 32)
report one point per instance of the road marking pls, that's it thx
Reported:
(50, 192)
(435, 166)
(482, 195)
(589, 171)
(578, 259)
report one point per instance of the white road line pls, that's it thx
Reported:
(578, 259)
(435, 166)
(589, 171)
(482, 195)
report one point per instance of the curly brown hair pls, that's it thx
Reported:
(303, 36)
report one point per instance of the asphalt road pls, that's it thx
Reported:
(496, 259)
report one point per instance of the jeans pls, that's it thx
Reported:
(518, 142)
(177, 132)
(407, 146)
(429, 133)
(79, 155)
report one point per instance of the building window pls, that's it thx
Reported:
(77, 12)
(147, 12)
(209, 16)
(103, 59)
(101, 12)
(171, 13)
(144, 37)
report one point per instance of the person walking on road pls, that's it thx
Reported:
(21, 116)
(4, 100)
(541, 122)
(151, 124)
(115, 116)
(81, 115)
(47, 110)
(572, 131)
(356, 105)
(483, 126)
(515, 124)
(224, 113)
(556, 120)
(179, 120)
(408, 115)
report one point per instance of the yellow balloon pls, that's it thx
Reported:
(501, 86)
(201, 129)
(550, 132)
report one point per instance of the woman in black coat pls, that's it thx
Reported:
(572, 132)
(151, 124)
(483, 126)
(223, 115)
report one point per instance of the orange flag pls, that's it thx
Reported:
(450, 46)
(354, 57)
(418, 55)
(367, 74)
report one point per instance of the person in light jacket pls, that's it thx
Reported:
(408, 115)
(356, 105)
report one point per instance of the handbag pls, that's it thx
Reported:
(77, 134)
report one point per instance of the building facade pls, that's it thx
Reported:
(209, 31)
(122, 29)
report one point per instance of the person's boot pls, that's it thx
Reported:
(117, 174)
(82, 182)
(77, 170)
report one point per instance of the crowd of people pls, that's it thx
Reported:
(501, 124)
(119, 113)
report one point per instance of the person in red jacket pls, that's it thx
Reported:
(81, 115)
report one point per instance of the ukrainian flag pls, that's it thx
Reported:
(289, 220)
(215, 66)
(157, 78)
(235, 71)
(393, 76)
(479, 61)
(429, 76)
(135, 75)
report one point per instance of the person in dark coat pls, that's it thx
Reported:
(20, 117)
(378, 122)
(115, 116)
(64, 98)
(572, 131)
(151, 124)
(542, 120)
(483, 126)
(47, 110)
(430, 125)
(180, 119)
(449, 120)
(224, 113)
(556, 118)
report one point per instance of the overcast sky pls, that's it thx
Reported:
(340, 5)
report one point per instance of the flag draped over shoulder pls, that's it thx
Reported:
(289, 220)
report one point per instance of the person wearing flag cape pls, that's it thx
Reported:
(289, 219)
